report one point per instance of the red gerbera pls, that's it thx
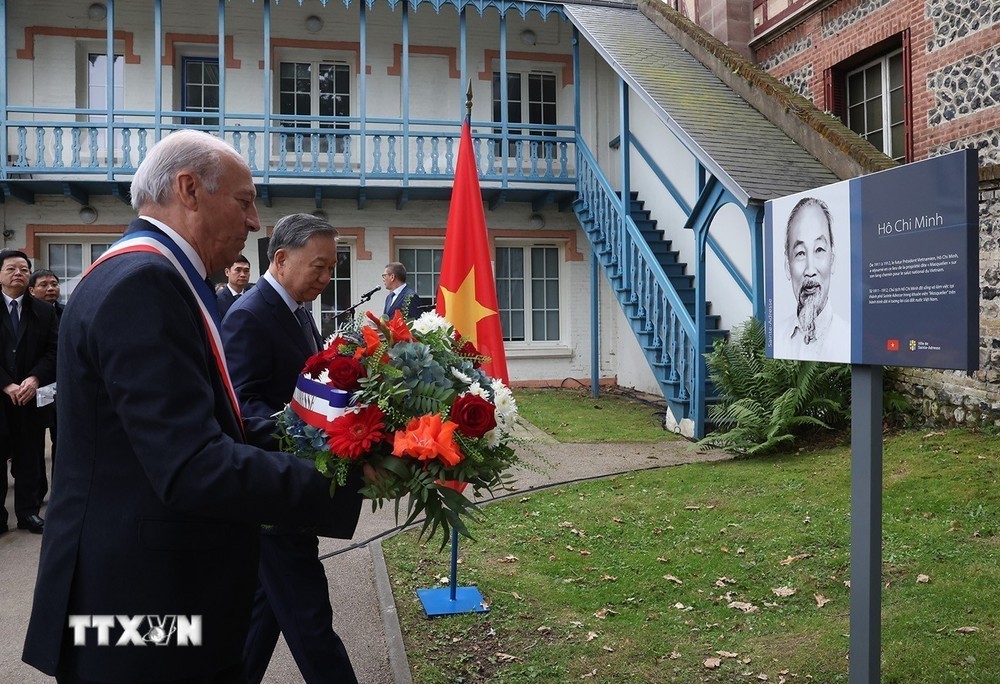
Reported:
(356, 432)
(398, 328)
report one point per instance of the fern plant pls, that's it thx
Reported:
(765, 403)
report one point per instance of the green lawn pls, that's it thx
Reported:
(572, 415)
(721, 572)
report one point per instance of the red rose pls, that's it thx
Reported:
(345, 373)
(475, 416)
(318, 362)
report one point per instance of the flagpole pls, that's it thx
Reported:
(464, 599)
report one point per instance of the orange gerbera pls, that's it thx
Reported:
(372, 341)
(398, 328)
(426, 438)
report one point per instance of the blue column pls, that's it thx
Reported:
(505, 147)
(158, 69)
(362, 92)
(406, 93)
(462, 58)
(4, 118)
(625, 149)
(222, 69)
(110, 99)
(266, 156)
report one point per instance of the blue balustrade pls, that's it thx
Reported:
(655, 309)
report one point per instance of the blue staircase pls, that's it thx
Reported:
(654, 289)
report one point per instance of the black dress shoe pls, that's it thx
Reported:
(32, 523)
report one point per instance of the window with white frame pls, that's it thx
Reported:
(528, 292)
(876, 104)
(531, 98)
(337, 295)
(69, 258)
(200, 89)
(423, 269)
(97, 92)
(313, 89)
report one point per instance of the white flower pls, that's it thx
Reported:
(430, 321)
(478, 390)
(493, 437)
(460, 376)
(506, 407)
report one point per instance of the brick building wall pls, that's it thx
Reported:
(954, 101)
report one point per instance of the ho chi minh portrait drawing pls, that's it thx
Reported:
(811, 300)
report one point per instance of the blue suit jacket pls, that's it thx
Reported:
(266, 351)
(408, 297)
(157, 504)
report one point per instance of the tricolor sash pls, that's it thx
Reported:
(159, 243)
(318, 404)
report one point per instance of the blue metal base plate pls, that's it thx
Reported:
(438, 602)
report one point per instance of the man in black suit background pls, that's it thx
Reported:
(237, 279)
(268, 335)
(28, 337)
(149, 558)
(401, 295)
(43, 284)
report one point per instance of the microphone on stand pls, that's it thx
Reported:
(368, 295)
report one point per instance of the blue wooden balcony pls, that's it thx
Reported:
(61, 145)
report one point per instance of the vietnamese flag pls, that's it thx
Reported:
(467, 293)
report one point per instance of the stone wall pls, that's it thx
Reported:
(954, 397)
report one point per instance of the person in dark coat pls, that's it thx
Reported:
(43, 284)
(236, 285)
(28, 340)
(149, 559)
(268, 335)
(401, 296)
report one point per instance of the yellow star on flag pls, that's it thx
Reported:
(463, 310)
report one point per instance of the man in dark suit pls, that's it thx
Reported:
(268, 335)
(149, 557)
(28, 337)
(43, 285)
(237, 279)
(401, 295)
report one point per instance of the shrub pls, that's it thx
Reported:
(765, 403)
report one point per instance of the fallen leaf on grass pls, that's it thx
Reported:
(584, 552)
(821, 600)
(516, 596)
(509, 559)
(608, 649)
(662, 559)
(673, 579)
(784, 591)
(793, 559)
(609, 578)
(575, 623)
(956, 526)
(591, 636)
(566, 524)
(692, 508)
(762, 677)
(712, 663)
(744, 606)
(544, 629)
(506, 657)
(726, 654)
(617, 520)
(723, 581)
(592, 673)
(604, 612)
(674, 655)
(923, 579)
(933, 434)
(966, 630)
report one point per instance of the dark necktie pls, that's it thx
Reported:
(305, 322)
(15, 320)
(237, 296)
(388, 302)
